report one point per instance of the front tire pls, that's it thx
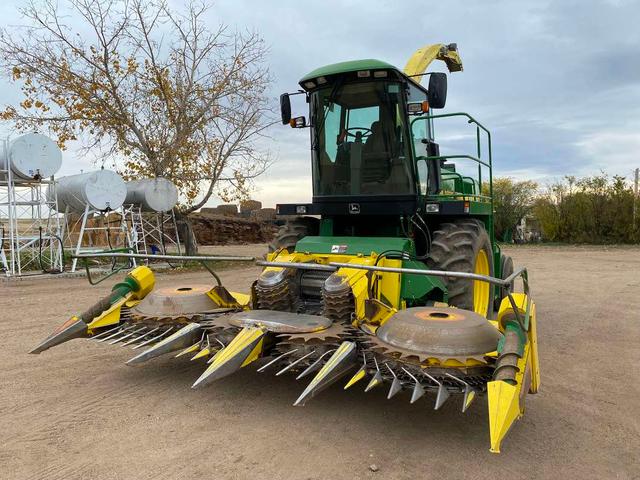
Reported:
(464, 246)
(292, 231)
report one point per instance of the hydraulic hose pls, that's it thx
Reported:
(50, 270)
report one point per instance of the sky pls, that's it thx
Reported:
(557, 83)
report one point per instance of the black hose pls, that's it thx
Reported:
(49, 270)
(426, 238)
(427, 231)
(2, 243)
(113, 261)
(404, 230)
(399, 254)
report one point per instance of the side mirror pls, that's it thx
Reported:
(285, 108)
(437, 91)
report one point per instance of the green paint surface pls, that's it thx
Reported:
(351, 66)
(354, 245)
(417, 289)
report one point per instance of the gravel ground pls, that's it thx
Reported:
(77, 412)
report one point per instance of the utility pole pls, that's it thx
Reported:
(635, 197)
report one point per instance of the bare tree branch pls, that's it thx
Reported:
(155, 90)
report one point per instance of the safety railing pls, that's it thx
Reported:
(477, 159)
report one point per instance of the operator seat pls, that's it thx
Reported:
(375, 155)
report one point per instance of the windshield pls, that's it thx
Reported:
(359, 140)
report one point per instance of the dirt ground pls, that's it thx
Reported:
(77, 412)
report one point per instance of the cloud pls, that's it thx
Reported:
(558, 83)
(607, 151)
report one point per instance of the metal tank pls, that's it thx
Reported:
(32, 156)
(152, 194)
(100, 190)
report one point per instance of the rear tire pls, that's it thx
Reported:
(292, 231)
(464, 246)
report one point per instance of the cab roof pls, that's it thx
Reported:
(350, 66)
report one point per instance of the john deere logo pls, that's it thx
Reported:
(354, 208)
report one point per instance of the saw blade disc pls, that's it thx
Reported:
(438, 331)
(182, 302)
(281, 322)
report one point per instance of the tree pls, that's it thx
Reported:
(596, 209)
(512, 202)
(153, 88)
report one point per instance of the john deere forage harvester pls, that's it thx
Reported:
(390, 277)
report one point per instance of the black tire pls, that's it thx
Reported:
(506, 267)
(292, 231)
(454, 247)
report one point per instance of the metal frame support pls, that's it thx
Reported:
(28, 219)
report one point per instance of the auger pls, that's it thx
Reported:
(390, 279)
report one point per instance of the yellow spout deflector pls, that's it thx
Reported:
(422, 58)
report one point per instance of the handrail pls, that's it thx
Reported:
(479, 127)
(447, 157)
(202, 259)
(463, 196)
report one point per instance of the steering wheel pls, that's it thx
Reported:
(366, 132)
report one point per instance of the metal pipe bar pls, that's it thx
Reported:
(462, 157)
(458, 196)
(435, 273)
(333, 266)
(460, 114)
(183, 258)
(300, 266)
(522, 271)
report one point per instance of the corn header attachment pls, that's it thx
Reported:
(435, 352)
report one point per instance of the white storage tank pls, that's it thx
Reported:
(101, 190)
(32, 156)
(152, 194)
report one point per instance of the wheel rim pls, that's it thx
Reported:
(481, 289)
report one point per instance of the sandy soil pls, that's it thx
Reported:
(77, 411)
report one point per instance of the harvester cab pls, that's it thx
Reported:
(391, 274)
(378, 173)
